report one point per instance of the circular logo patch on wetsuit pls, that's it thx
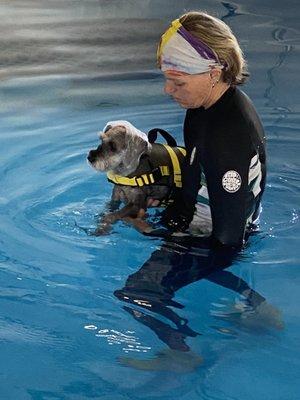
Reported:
(231, 181)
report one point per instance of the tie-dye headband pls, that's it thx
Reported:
(179, 50)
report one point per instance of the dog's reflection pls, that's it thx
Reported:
(170, 268)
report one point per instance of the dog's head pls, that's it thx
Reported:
(120, 150)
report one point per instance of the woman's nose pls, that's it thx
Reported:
(169, 88)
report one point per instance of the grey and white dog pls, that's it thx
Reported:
(125, 151)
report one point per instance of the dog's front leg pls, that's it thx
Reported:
(135, 216)
(139, 222)
(130, 210)
(115, 201)
(106, 220)
(136, 201)
(105, 224)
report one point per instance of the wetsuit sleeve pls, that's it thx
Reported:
(227, 183)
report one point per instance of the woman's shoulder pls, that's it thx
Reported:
(242, 103)
(233, 112)
(247, 112)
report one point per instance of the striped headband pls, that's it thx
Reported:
(180, 51)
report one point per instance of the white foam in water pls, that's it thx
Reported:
(90, 327)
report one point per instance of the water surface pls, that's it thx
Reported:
(66, 68)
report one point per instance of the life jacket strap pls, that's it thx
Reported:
(176, 165)
(141, 180)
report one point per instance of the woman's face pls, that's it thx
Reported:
(190, 91)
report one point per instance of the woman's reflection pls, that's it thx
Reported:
(173, 266)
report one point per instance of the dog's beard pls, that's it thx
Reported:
(113, 163)
(100, 165)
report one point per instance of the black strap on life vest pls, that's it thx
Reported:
(152, 136)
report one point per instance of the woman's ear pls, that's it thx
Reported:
(215, 76)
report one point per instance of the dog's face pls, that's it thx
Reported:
(119, 152)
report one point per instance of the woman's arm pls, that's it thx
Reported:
(229, 186)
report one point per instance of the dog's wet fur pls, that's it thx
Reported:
(120, 152)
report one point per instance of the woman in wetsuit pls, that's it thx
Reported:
(224, 173)
(223, 180)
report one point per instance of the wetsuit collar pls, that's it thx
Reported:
(222, 100)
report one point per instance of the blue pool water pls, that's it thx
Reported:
(66, 69)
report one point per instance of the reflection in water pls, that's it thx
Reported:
(173, 266)
(231, 10)
(278, 35)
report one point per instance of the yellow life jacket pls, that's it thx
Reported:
(161, 167)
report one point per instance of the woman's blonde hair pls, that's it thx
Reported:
(220, 39)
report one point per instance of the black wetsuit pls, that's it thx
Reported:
(224, 169)
(223, 179)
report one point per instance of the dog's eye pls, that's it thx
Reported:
(112, 146)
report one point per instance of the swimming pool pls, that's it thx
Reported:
(66, 70)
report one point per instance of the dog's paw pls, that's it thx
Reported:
(110, 218)
(102, 229)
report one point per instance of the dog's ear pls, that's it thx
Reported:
(101, 134)
(136, 147)
(107, 128)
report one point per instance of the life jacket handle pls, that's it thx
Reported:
(152, 136)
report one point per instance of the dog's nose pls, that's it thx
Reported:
(92, 156)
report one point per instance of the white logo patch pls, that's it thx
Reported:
(192, 155)
(231, 181)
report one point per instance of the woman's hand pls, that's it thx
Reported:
(174, 220)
